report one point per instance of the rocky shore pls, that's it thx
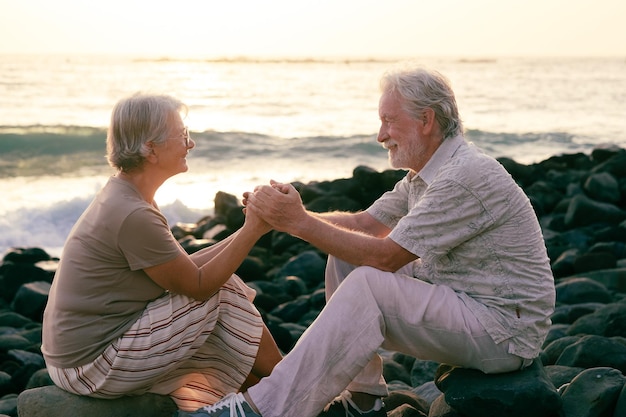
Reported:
(580, 200)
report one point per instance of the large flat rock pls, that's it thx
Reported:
(51, 401)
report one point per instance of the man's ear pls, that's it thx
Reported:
(429, 120)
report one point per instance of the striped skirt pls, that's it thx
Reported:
(194, 351)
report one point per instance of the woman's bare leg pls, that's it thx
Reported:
(267, 357)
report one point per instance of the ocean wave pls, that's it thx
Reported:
(60, 150)
(530, 147)
(48, 226)
(59, 169)
(41, 150)
(52, 140)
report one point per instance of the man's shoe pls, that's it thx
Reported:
(343, 406)
(232, 405)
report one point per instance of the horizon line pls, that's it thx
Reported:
(243, 58)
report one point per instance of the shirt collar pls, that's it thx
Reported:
(447, 148)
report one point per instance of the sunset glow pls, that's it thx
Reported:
(286, 28)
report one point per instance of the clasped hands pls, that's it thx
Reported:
(277, 204)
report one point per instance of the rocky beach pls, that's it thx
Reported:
(580, 200)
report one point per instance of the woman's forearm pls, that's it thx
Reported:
(206, 254)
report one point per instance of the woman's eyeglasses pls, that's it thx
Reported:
(186, 136)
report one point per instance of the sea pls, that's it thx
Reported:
(256, 119)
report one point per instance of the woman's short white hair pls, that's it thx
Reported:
(135, 121)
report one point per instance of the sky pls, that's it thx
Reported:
(315, 28)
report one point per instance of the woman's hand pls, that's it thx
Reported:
(255, 222)
(278, 204)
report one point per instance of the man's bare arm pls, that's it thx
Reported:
(356, 238)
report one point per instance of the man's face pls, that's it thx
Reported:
(400, 134)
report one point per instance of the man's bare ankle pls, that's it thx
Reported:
(252, 404)
(364, 400)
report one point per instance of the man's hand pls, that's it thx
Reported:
(278, 204)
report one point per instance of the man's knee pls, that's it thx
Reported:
(366, 276)
(337, 267)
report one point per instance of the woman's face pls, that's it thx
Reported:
(173, 152)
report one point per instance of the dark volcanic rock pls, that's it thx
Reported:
(583, 211)
(578, 290)
(53, 402)
(517, 394)
(595, 351)
(581, 204)
(594, 392)
(607, 321)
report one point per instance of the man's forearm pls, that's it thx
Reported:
(328, 233)
(342, 219)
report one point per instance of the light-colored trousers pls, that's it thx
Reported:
(368, 309)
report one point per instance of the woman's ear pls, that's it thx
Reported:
(152, 154)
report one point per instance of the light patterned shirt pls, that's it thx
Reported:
(475, 231)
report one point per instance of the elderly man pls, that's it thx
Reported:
(449, 266)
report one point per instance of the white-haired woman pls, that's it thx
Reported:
(130, 311)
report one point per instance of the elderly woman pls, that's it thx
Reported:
(129, 310)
